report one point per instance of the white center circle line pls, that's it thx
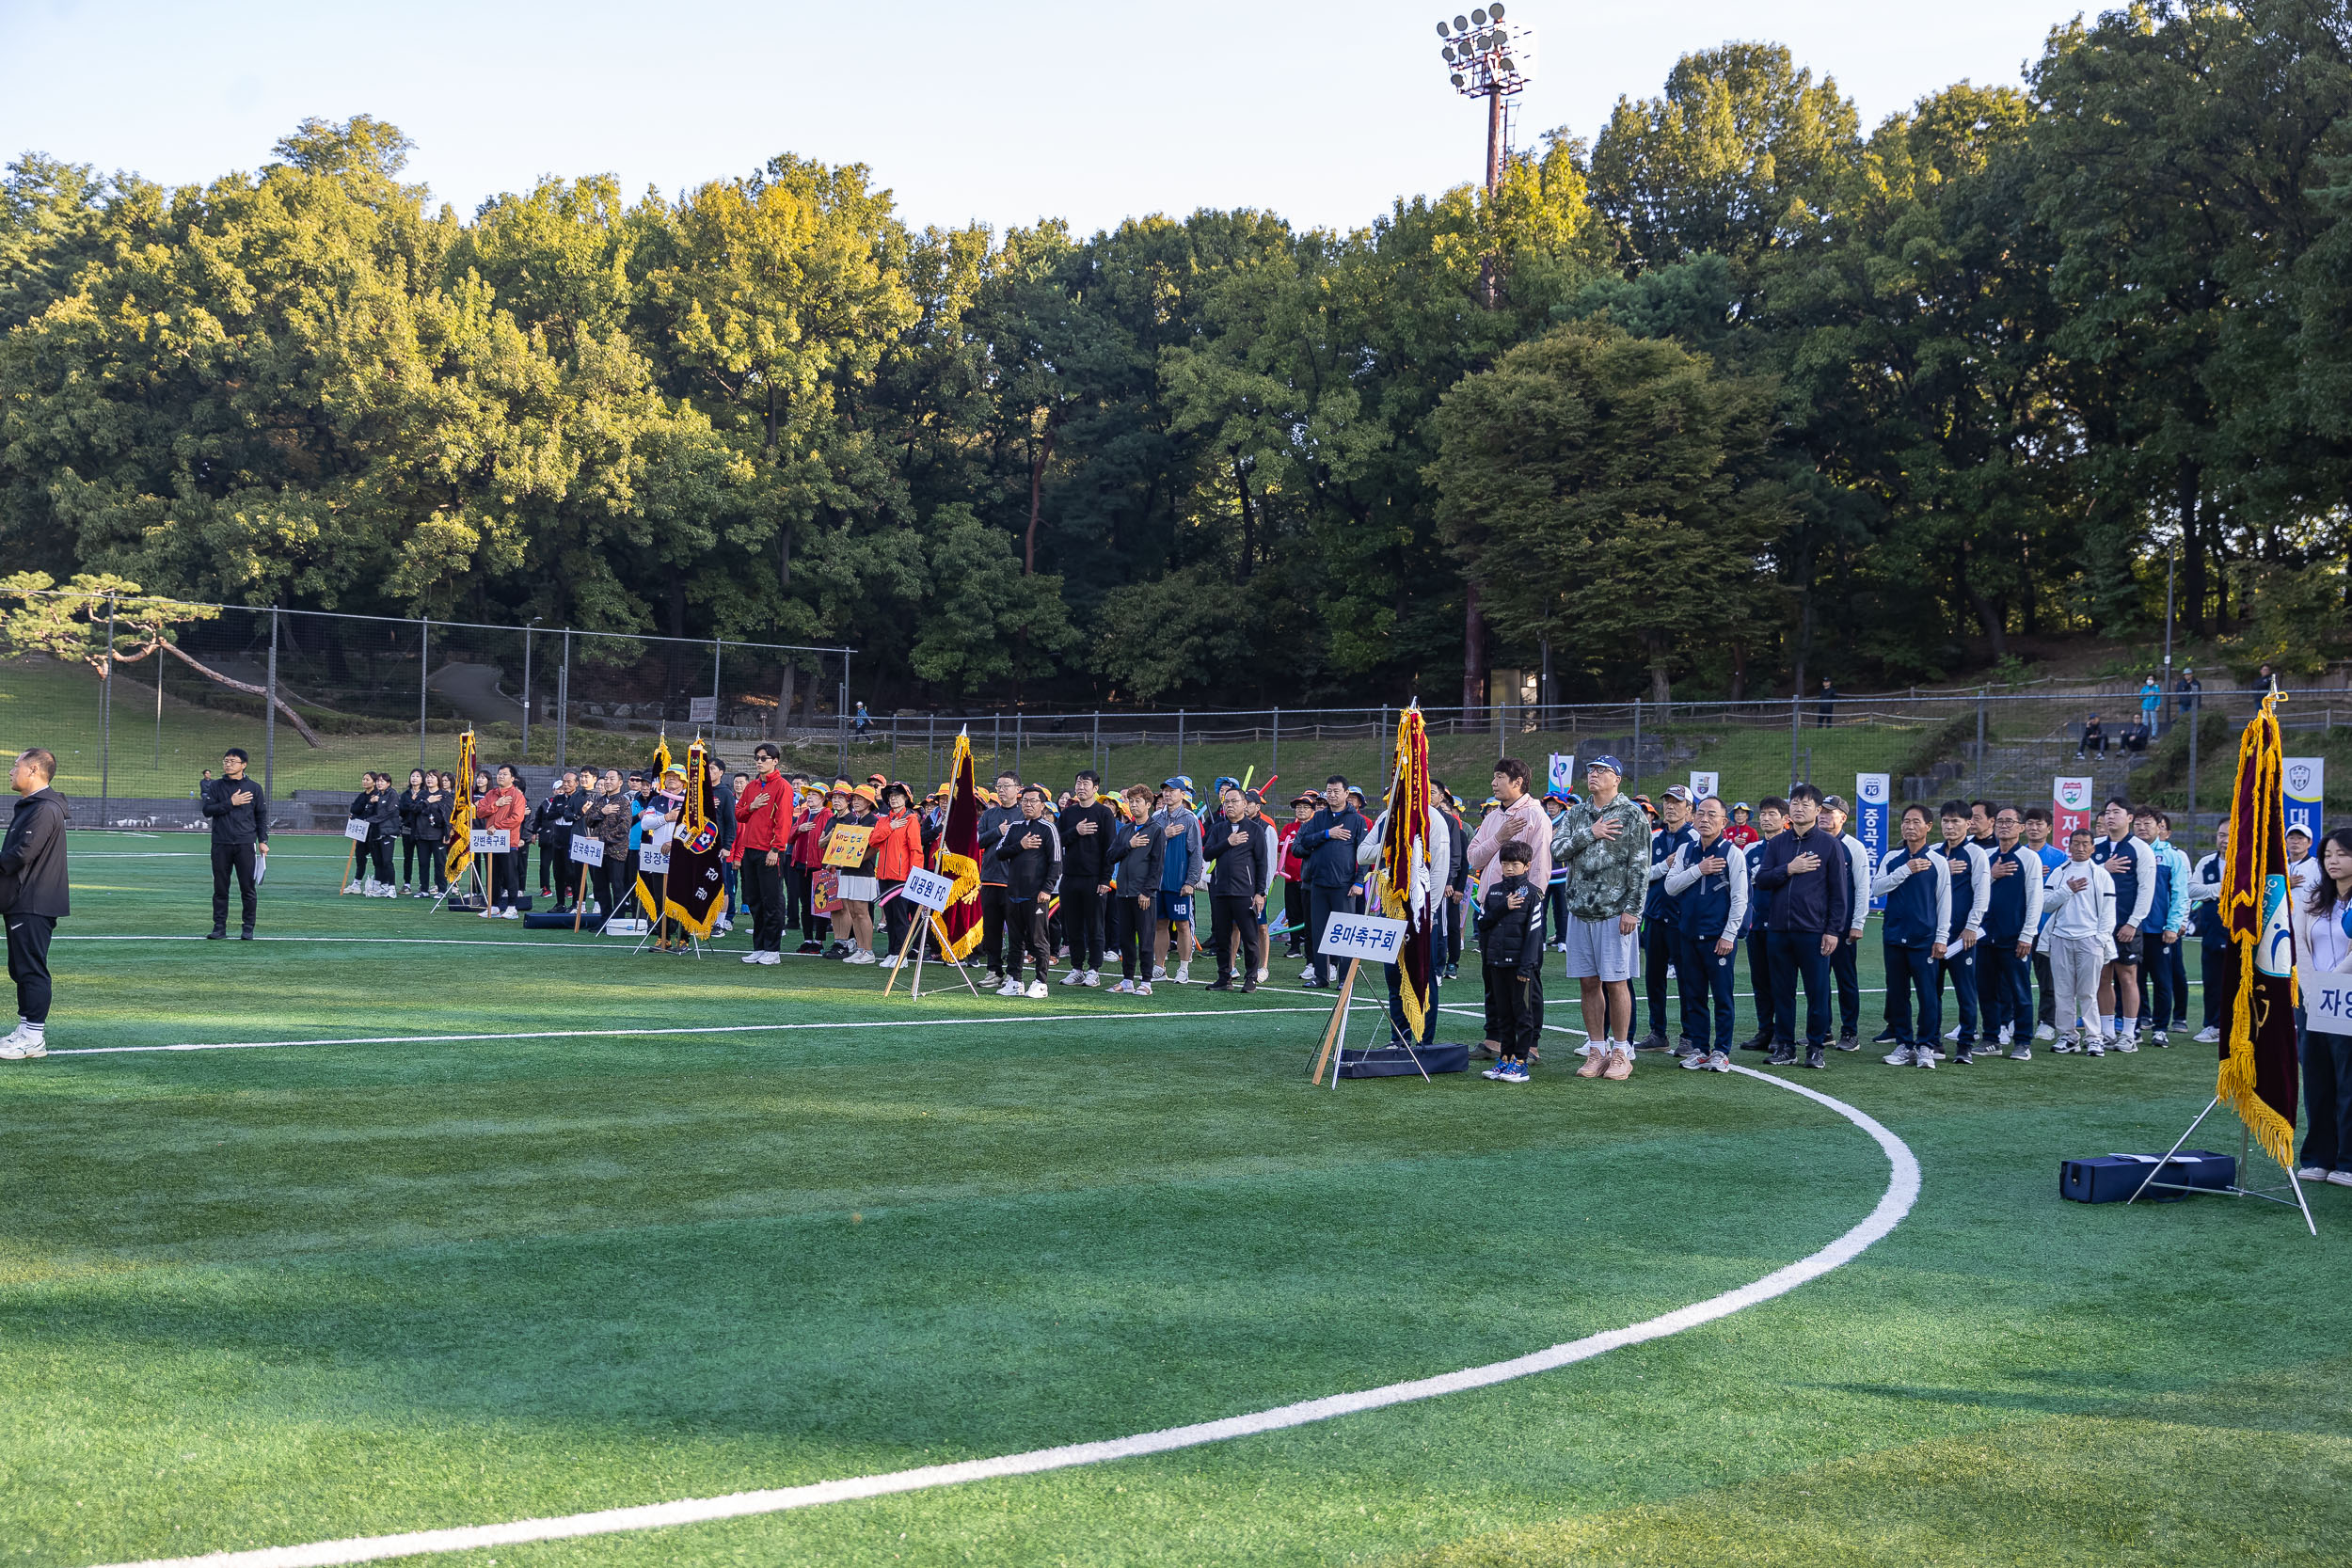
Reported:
(1902, 1190)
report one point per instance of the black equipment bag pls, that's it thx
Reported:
(1395, 1061)
(2114, 1178)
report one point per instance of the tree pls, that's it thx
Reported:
(1605, 491)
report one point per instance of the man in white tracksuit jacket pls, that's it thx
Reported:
(2081, 939)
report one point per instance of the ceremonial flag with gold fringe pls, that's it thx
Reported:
(957, 856)
(650, 895)
(457, 854)
(1402, 880)
(696, 890)
(2258, 1077)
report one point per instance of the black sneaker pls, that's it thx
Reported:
(1782, 1056)
(1757, 1042)
(1886, 1037)
(1963, 1056)
(1654, 1040)
(245, 935)
(1816, 1056)
(216, 934)
(1849, 1042)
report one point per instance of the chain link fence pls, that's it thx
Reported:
(317, 697)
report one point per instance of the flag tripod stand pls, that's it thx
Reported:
(919, 939)
(1335, 1032)
(2245, 1153)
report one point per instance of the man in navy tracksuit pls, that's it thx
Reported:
(1845, 965)
(2131, 865)
(1917, 887)
(1709, 881)
(1804, 870)
(1326, 848)
(1971, 886)
(2012, 918)
(1771, 820)
(1661, 914)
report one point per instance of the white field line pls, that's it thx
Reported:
(1902, 1190)
(698, 1029)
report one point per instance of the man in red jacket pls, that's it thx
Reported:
(763, 832)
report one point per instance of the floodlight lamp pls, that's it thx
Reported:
(1461, 24)
(1442, 29)
(1448, 53)
(1457, 78)
(1494, 13)
(1478, 19)
(1507, 67)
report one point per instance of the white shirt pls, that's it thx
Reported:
(1858, 862)
(2087, 913)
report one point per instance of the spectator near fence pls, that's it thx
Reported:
(1825, 707)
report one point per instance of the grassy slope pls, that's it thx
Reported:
(263, 1296)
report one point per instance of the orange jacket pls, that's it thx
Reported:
(898, 847)
(502, 808)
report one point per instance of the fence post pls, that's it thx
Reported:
(527, 691)
(564, 701)
(841, 719)
(996, 742)
(2196, 714)
(106, 713)
(1979, 787)
(1796, 711)
(931, 736)
(1094, 744)
(269, 711)
(424, 683)
(1019, 730)
(1179, 740)
(718, 652)
(1276, 767)
(1636, 763)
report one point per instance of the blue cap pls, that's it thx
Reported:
(1609, 762)
(1182, 780)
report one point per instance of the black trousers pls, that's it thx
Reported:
(897, 917)
(238, 858)
(797, 898)
(2044, 987)
(2176, 957)
(375, 853)
(1400, 1029)
(1661, 944)
(1134, 925)
(1234, 918)
(414, 855)
(607, 878)
(2220, 968)
(994, 908)
(29, 963)
(1846, 970)
(2327, 1096)
(1322, 904)
(1707, 982)
(1024, 922)
(1514, 1013)
(1961, 964)
(506, 879)
(763, 891)
(1082, 923)
(1911, 970)
(1797, 959)
(432, 865)
(1760, 981)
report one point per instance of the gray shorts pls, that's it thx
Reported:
(1596, 949)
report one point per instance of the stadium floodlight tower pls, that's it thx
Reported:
(1491, 61)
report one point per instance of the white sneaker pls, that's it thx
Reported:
(754, 956)
(1159, 972)
(771, 956)
(1954, 1032)
(1308, 972)
(1037, 990)
(1013, 988)
(1074, 976)
(1899, 1056)
(26, 1044)
(863, 956)
(1184, 974)
(2208, 1036)
(1261, 973)
(487, 912)
(1923, 1058)
(2046, 1032)
(2126, 1045)
(2005, 1034)
(889, 962)
(1092, 977)
(992, 981)
(512, 914)
(352, 886)
(2307, 1173)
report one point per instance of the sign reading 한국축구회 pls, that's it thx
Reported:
(1362, 936)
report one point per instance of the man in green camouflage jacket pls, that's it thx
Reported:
(1604, 842)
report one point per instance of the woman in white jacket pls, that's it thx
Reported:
(2323, 962)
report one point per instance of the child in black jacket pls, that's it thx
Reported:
(1511, 951)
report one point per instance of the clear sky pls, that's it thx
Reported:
(1322, 110)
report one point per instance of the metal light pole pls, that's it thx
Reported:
(527, 625)
(1489, 61)
(2171, 566)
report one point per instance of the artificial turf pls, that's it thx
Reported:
(253, 1297)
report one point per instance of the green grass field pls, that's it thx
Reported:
(268, 1296)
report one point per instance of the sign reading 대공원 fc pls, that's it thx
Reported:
(1872, 799)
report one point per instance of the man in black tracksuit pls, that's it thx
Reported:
(1238, 849)
(239, 814)
(1087, 825)
(993, 900)
(1804, 870)
(33, 897)
(1326, 848)
(1029, 852)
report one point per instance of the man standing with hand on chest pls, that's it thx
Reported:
(239, 815)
